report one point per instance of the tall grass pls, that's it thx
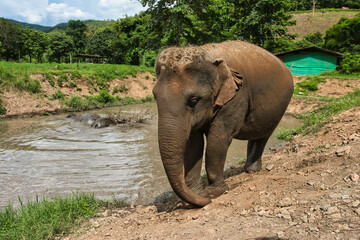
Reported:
(45, 219)
(315, 119)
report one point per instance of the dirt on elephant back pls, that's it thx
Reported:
(308, 190)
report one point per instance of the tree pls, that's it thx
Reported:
(188, 21)
(344, 36)
(60, 45)
(262, 21)
(133, 39)
(100, 42)
(36, 43)
(11, 39)
(76, 30)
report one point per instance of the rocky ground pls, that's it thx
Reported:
(308, 190)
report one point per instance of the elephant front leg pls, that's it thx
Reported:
(255, 149)
(193, 160)
(216, 150)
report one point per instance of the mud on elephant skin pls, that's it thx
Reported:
(93, 120)
(218, 91)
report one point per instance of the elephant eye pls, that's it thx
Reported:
(193, 101)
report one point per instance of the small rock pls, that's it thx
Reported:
(269, 167)
(106, 213)
(286, 202)
(345, 150)
(150, 209)
(280, 234)
(96, 224)
(285, 214)
(354, 177)
(244, 212)
(310, 183)
(132, 206)
(335, 216)
(325, 207)
(332, 210)
(313, 229)
(322, 187)
(304, 218)
(345, 197)
(356, 203)
(357, 211)
(335, 195)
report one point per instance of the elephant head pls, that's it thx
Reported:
(190, 88)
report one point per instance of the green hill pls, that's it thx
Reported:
(320, 22)
(92, 25)
(33, 26)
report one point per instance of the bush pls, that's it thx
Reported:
(105, 97)
(350, 64)
(76, 103)
(2, 109)
(27, 84)
(58, 95)
(121, 89)
(310, 83)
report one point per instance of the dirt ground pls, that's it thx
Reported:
(308, 190)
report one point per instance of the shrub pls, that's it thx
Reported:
(105, 97)
(72, 84)
(76, 103)
(27, 84)
(350, 64)
(2, 109)
(58, 95)
(63, 78)
(310, 83)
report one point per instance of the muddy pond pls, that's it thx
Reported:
(55, 156)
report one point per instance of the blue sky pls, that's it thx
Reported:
(52, 12)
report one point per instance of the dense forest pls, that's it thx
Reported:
(137, 39)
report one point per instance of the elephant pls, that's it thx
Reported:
(88, 118)
(102, 122)
(219, 91)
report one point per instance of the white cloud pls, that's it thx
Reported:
(52, 12)
(62, 12)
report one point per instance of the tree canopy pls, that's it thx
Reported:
(137, 39)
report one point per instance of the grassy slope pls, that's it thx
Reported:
(320, 22)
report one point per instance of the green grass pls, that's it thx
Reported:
(51, 218)
(45, 219)
(338, 75)
(310, 84)
(315, 119)
(103, 99)
(17, 75)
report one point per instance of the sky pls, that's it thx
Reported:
(52, 12)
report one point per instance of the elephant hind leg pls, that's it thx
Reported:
(255, 149)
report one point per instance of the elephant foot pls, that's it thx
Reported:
(214, 191)
(254, 167)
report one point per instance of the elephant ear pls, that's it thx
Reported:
(231, 84)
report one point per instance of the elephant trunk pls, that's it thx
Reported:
(172, 142)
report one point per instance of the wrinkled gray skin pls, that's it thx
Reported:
(218, 91)
(88, 118)
(102, 122)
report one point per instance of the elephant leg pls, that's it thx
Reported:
(216, 150)
(255, 149)
(193, 160)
